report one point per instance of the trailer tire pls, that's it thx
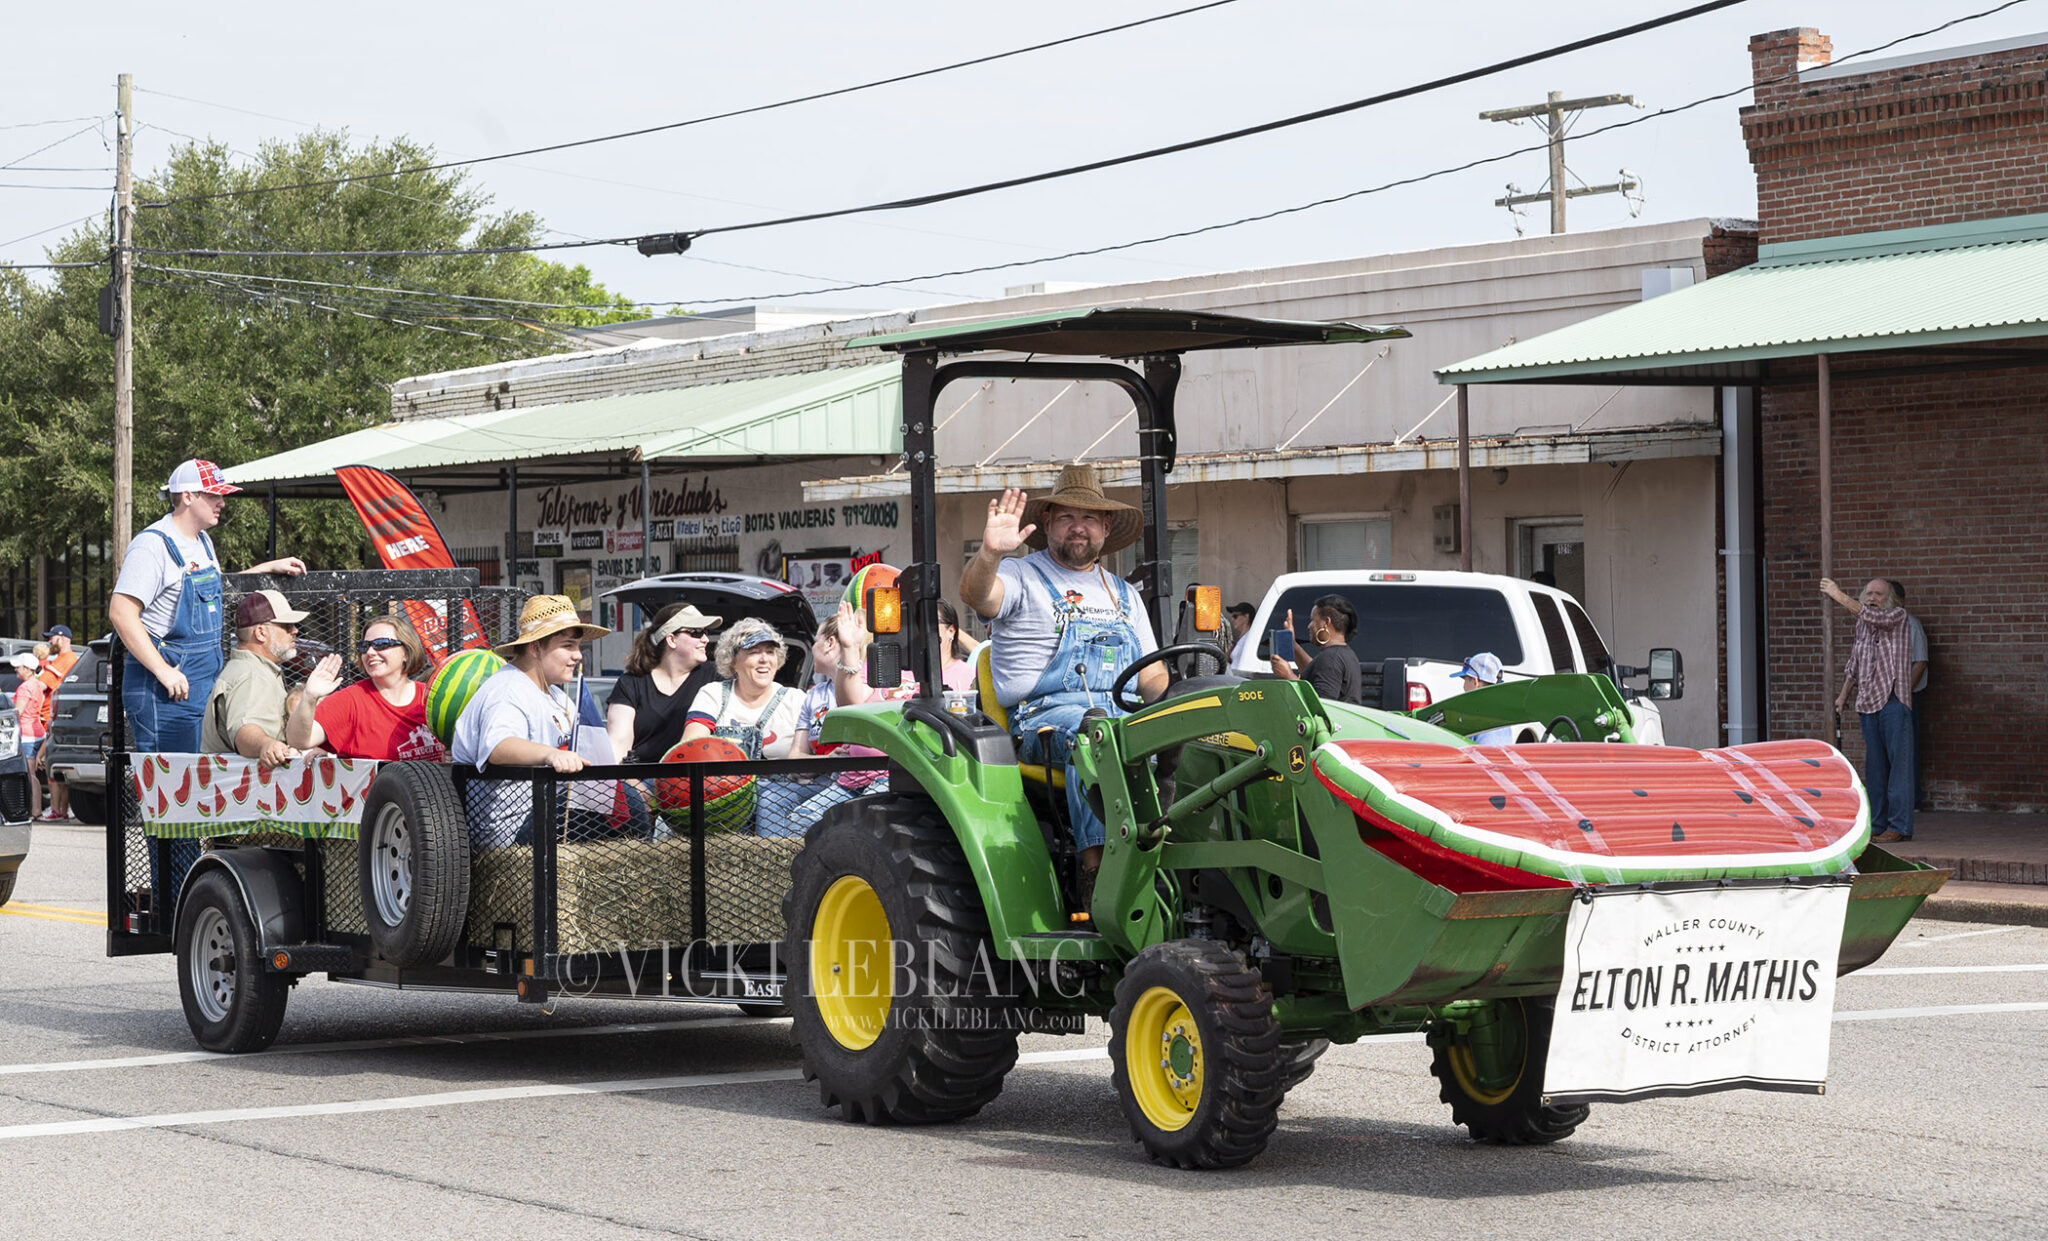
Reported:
(232, 1003)
(885, 875)
(1195, 1054)
(412, 864)
(1502, 1103)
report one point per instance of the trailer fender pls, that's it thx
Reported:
(270, 886)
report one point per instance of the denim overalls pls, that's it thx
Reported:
(157, 725)
(1090, 656)
(192, 645)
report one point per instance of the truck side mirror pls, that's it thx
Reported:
(1667, 674)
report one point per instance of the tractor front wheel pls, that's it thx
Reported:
(890, 967)
(1492, 1076)
(1196, 1056)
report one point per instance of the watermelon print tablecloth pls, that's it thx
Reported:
(192, 795)
(1613, 813)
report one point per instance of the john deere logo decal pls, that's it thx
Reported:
(1296, 760)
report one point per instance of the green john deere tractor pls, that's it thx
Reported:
(1281, 873)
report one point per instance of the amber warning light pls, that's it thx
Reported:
(1208, 601)
(885, 610)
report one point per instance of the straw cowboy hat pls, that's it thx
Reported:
(1077, 488)
(547, 615)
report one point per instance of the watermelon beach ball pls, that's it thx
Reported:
(728, 800)
(455, 681)
(869, 578)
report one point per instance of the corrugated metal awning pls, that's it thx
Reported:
(1900, 289)
(843, 412)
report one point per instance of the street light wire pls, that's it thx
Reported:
(697, 120)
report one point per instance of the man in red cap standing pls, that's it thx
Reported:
(166, 611)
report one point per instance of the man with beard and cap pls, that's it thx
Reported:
(245, 710)
(1061, 628)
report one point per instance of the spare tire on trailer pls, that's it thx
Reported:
(412, 863)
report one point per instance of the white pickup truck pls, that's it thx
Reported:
(1434, 619)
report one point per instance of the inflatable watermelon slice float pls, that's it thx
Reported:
(1548, 815)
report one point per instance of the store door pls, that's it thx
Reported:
(1556, 546)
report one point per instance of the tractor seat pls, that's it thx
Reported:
(999, 715)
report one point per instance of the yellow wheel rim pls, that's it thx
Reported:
(1163, 1058)
(1498, 1086)
(851, 962)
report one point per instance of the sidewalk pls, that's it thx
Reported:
(2000, 860)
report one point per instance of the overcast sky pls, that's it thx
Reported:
(474, 79)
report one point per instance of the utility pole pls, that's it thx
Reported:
(1556, 111)
(124, 327)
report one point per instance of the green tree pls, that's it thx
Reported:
(238, 358)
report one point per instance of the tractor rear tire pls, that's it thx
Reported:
(412, 864)
(1196, 1056)
(1502, 1103)
(889, 967)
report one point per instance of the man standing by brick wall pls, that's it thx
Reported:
(1879, 675)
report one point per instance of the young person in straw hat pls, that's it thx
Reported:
(522, 716)
(1062, 628)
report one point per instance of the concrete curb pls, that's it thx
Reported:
(2011, 910)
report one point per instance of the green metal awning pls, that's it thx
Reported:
(1921, 288)
(1123, 332)
(844, 412)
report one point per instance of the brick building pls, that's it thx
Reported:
(1884, 379)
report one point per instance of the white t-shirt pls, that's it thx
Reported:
(508, 704)
(1025, 632)
(1917, 649)
(778, 718)
(150, 573)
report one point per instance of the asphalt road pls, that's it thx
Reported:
(403, 1114)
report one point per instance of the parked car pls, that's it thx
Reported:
(1434, 619)
(14, 803)
(78, 730)
(732, 597)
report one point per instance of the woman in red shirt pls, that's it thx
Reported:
(382, 716)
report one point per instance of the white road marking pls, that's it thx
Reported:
(451, 1098)
(1935, 939)
(456, 1098)
(1949, 1010)
(378, 1044)
(1950, 969)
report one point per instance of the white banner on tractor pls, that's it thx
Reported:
(1683, 992)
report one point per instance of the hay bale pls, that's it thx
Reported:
(636, 891)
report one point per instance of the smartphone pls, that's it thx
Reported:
(1283, 644)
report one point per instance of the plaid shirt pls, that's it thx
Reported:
(1881, 659)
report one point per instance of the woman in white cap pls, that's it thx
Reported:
(166, 611)
(29, 696)
(670, 663)
(750, 707)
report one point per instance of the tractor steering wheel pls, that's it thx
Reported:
(1116, 691)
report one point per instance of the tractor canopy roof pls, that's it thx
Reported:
(1123, 332)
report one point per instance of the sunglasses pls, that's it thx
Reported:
(695, 633)
(377, 644)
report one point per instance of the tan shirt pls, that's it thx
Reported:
(249, 690)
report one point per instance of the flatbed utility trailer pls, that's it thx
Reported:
(377, 874)
(1282, 873)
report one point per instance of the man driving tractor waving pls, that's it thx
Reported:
(1062, 628)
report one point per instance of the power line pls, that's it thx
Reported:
(62, 120)
(1338, 198)
(28, 185)
(679, 241)
(45, 266)
(703, 120)
(53, 228)
(96, 122)
(281, 297)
